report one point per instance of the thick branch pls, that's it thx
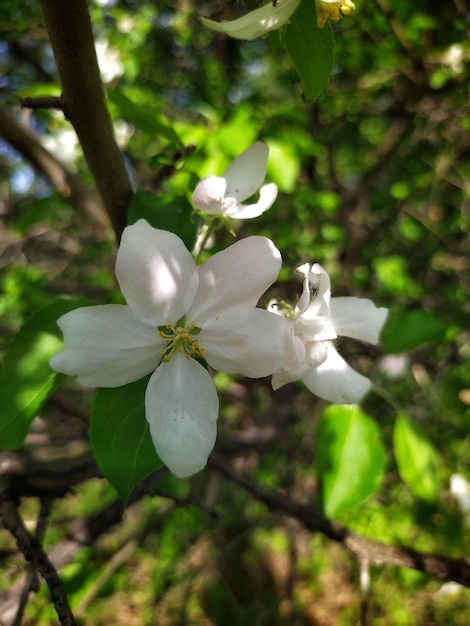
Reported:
(71, 37)
(439, 566)
(67, 184)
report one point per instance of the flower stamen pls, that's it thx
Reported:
(334, 11)
(182, 339)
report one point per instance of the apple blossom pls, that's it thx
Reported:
(318, 319)
(256, 23)
(223, 195)
(332, 10)
(176, 315)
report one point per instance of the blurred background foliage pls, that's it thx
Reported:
(374, 179)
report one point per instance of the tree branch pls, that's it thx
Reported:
(363, 548)
(33, 552)
(67, 184)
(31, 582)
(71, 37)
(84, 532)
(44, 476)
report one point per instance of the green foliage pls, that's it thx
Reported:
(412, 329)
(311, 49)
(120, 437)
(26, 379)
(349, 458)
(416, 458)
(147, 120)
(173, 214)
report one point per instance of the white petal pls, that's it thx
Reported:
(156, 273)
(336, 381)
(320, 294)
(252, 342)
(267, 196)
(256, 23)
(209, 195)
(237, 276)
(284, 376)
(304, 299)
(181, 407)
(105, 346)
(246, 173)
(358, 318)
(313, 355)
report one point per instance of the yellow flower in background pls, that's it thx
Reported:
(332, 10)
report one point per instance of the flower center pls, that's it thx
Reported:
(333, 11)
(180, 338)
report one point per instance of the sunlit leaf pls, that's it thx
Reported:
(311, 48)
(410, 330)
(26, 379)
(416, 459)
(349, 458)
(120, 436)
(142, 117)
(174, 215)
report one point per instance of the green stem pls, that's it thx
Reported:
(210, 228)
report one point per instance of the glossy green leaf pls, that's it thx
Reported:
(175, 215)
(410, 330)
(311, 48)
(120, 436)
(26, 379)
(416, 459)
(148, 120)
(349, 458)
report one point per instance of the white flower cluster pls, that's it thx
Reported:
(179, 317)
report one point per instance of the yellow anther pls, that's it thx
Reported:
(181, 339)
(333, 11)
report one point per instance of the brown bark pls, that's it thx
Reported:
(84, 101)
(65, 182)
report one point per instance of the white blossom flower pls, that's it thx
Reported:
(332, 10)
(224, 195)
(177, 314)
(257, 23)
(318, 319)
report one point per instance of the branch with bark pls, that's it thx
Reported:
(363, 548)
(69, 185)
(28, 473)
(84, 103)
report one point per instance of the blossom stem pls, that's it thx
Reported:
(209, 229)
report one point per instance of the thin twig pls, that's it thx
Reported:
(31, 582)
(43, 102)
(34, 553)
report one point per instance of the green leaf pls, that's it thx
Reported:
(26, 379)
(416, 459)
(143, 118)
(120, 436)
(175, 215)
(311, 48)
(410, 330)
(349, 458)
